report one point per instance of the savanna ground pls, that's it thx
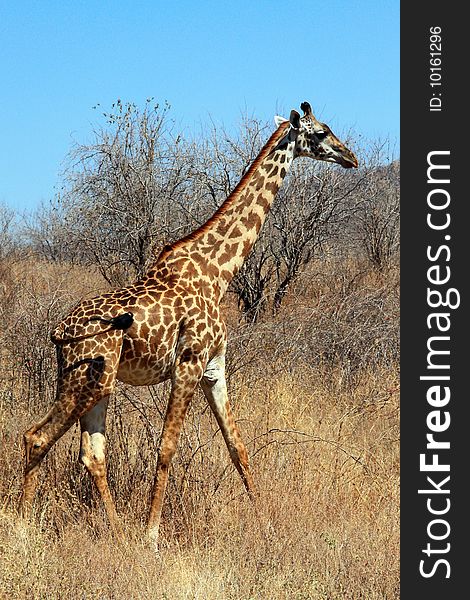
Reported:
(322, 433)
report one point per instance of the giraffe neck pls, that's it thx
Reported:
(223, 242)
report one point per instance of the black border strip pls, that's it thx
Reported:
(445, 133)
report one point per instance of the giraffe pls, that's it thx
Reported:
(168, 325)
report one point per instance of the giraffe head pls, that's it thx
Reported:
(315, 139)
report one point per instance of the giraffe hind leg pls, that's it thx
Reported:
(93, 455)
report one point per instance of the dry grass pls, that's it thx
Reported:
(325, 455)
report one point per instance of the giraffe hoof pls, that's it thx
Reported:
(152, 539)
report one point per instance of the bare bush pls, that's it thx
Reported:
(379, 220)
(123, 195)
(374, 230)
(7, 232)
(8, 247)
(35, 300)
(311, 211)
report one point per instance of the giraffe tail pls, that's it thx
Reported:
(62, 334)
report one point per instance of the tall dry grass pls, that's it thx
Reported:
(322, 432)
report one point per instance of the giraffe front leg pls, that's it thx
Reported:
(186, 376)
(93, 455)
(215, 389)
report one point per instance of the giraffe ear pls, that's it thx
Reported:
(279, 120)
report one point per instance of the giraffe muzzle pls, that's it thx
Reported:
(349, 161)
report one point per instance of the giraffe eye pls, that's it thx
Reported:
(321, 134)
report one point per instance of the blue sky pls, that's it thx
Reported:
(207, 58)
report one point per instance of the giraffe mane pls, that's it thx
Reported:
(234, 195)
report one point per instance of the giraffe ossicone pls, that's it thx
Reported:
(168, 325)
